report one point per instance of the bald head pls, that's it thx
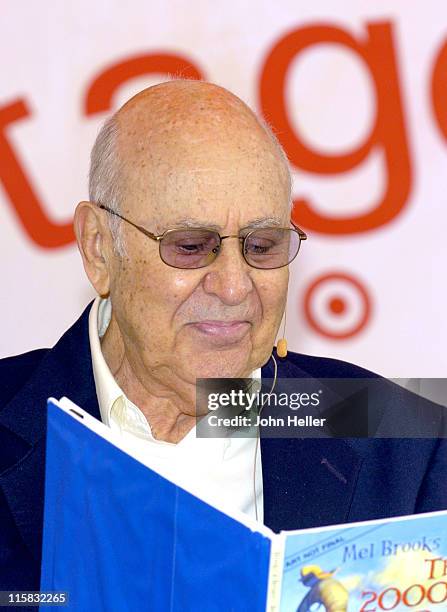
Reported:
(157, 131)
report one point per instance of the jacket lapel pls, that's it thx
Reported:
(64, 370)
(307, 482)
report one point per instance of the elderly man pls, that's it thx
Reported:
(188, 193)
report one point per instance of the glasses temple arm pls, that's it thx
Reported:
(302, 234)
(138, 227)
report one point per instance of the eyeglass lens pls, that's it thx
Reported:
(265, 248)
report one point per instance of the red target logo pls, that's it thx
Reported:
(337, 305)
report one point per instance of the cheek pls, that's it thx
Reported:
(273, 293)
(181, 287)
(151, 291)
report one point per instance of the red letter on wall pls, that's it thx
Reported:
(40, 229)
(388, 132)
(439, 89)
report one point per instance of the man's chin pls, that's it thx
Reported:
(221, 364)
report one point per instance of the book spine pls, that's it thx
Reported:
(275, 572)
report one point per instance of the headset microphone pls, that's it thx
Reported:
(281, 347)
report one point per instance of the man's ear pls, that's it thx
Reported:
(93, 238)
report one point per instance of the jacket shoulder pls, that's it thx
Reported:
(16, 371)
(324, 367)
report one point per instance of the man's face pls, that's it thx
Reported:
(217, 321)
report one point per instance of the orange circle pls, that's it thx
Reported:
(337, 305)
(338, 302)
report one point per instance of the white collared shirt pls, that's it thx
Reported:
(221, 470)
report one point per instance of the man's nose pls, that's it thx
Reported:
(228, 277)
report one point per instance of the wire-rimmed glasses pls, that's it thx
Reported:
(265, 248)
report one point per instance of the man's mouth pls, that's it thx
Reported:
(222, 331)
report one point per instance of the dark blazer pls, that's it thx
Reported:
(307, 482)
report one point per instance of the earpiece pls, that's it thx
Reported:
(281, 347)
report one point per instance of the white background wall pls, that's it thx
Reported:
(52, 51)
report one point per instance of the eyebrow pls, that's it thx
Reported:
(253, 224)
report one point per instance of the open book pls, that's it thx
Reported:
(120, 537)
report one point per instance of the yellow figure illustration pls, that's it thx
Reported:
(324, 591)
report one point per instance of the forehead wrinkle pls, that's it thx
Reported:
(260, 222)
(251, 177)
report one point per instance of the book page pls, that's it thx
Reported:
(391, 564)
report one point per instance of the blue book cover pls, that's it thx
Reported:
(120, 537)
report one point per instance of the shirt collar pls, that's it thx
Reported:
(107, 389)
